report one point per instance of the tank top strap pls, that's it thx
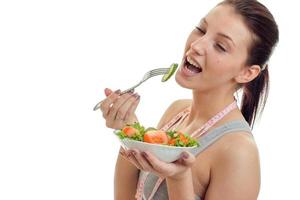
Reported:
(216, 133)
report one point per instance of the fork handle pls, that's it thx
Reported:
(126, 91)
(97, 106)
(132, 88)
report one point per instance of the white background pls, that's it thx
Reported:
(56, 57)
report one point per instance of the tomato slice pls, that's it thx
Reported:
(130, 131)
(156, 137)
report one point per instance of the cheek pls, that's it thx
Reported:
(215, 61)
(220, 66)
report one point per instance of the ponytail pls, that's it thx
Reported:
(255, 94)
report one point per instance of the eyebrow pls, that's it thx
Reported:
(220, 34)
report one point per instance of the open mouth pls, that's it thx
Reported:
(192, 66)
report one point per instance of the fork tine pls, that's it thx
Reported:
(160, 70)
(158, 73)
(146, 75)
(151, 74)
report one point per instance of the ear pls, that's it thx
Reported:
(248, 73)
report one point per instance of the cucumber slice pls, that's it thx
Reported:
(171, 71)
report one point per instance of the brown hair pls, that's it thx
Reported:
(265, 32)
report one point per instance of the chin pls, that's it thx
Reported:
(181, 81)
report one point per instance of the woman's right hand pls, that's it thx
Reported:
(119, 110)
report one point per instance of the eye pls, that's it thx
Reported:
(220, 47)
(200, 30)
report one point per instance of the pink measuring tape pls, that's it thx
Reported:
(196, 134)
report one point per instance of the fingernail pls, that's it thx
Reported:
(185, 155)
(136, 95)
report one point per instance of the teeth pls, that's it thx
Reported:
(192, 62)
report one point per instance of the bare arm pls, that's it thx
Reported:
(235, 175)
(126, 178)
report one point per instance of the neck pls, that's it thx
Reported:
(206, 105)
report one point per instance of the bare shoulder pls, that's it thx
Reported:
(236, 150)
(235, 170)
(238, 145)
(173, 110)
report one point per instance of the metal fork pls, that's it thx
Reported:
(147, 75)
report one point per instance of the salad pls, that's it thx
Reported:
(151, 135)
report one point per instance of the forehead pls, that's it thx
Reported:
(223, 19)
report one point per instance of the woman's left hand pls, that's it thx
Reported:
(146, 161)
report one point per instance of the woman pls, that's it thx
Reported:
(227, 51)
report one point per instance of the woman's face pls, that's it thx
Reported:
(215, 51)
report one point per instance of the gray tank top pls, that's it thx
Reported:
(205, 141)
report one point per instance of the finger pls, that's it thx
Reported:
(122, 112)
(143, 161)
(123, 149)
(116, 106)
(123, 155)
(132, 108)
(127, 156)
(105, 105)
(187, 158)
(133, 160)
(155, 163)
(122, 152)
(107, 91)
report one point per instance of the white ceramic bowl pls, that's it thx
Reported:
(163, 152)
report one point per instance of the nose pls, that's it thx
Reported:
(198, 46)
